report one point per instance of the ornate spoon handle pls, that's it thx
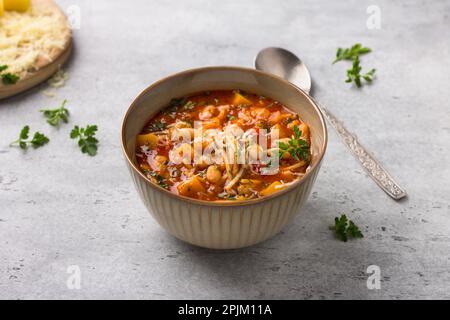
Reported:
(368, 162)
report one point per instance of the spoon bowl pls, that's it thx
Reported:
(286, 65)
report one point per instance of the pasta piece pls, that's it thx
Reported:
(272, 188)
(295, 166)
(235, 180)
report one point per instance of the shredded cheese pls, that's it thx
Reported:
(58, 80)
(30, 40)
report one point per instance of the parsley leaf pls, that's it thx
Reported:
(55, 116)
(345, 229)
(9, 78)
(86, 140)
(37, 141)
(156, 126)
(351, 53)
(354, 74)
(177, 102)
(369, 75)
(189, 105)
(297, 147)
(353, 230)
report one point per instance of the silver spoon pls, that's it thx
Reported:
(288, 66)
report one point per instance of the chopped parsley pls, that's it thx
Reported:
(159, 179)
(8, 78)
(157, 126)
(345, 229)
(226, 196)
(189, 105)
(177, 102)
(37, 141)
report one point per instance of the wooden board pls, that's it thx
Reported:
(43, 73)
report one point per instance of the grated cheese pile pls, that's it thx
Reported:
(31, 39)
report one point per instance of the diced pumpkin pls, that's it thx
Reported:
(16, 5)
(240, 99)
(148, 139)
(272, 188)
(191, 187)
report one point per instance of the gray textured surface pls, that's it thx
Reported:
(59, 207)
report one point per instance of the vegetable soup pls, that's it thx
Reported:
(224, 145)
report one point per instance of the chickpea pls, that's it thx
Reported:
(208, 112)
(213, 174)
(181, 154)
(260, 113)
(182, 134)
(293, 124)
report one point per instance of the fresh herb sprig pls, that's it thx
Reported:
(297, 147)
(55, 116)
(354, 73)
(345, 229)
(37, 141)
(8, 78)
(86, 140)
(351, 53)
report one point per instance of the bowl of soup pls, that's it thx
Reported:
(223, 157)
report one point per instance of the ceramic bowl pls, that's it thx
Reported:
(223, 224)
